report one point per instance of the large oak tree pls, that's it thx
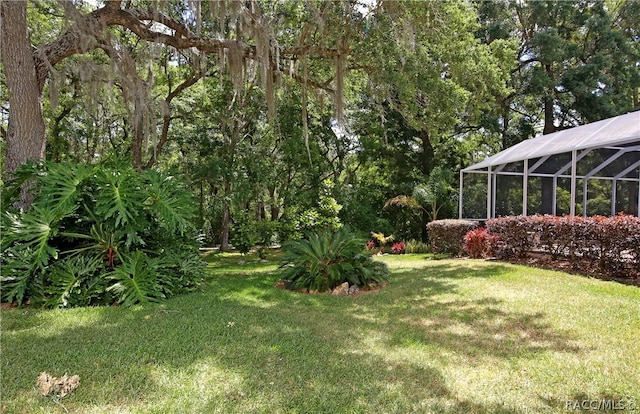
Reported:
(234, 32)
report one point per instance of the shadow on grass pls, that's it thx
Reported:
(242, 345)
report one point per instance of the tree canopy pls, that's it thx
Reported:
(260, 102)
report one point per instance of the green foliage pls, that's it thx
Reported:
(33, 231)
(437, 193)
(20, 278)
(323, 261)
(414, 246)
(324, 217)
(265, 231)
(244, 233)
(76, 281)
(136, 280)
(98, 234)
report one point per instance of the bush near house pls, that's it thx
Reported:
(447, 236)
(611, 245)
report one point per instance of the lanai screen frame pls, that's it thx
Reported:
(620, 134)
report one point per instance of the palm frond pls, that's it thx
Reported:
(381, 238)
(403, 201)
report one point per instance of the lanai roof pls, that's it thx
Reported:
(616, 132)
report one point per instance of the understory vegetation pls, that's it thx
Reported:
(445, 336)
(100, 234)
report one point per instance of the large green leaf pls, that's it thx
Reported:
(169, 202)
(136, 280)
(61, 186)
(20, 278)
(12, 188)
(117, 198)
(33, 229)
(72, 281)
(119, 203)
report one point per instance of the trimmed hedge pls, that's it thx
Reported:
(609, 244)
(447, 236)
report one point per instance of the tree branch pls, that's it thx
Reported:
(166, 119)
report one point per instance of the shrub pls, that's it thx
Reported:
(479, 244)
(615, 241)
(556, 235)
(371, 244)
(323, 261)
(380, 241)
(515, 234)
(414, 246)
(398, 248)
(244, 235)
(611, 245)
(447, 236)
(98, 235)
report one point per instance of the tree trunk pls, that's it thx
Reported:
(226, 219)
(426, 167)
(138, 138)
(224, 232)
(427, 153)
(273, 205)
(549, 127)
(424, 232)
(26, 138)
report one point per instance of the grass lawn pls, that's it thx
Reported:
(445, 336)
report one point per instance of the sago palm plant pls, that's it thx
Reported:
(323, 261)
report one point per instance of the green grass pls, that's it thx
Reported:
(445, 336)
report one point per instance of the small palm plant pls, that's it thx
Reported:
(431, 197)
(323, 261)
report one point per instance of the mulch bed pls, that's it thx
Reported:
(581, 267)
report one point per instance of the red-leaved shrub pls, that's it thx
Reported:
(479, 244)
(398, 248)
(515, 235)
(610, 245)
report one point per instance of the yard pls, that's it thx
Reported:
(445, 336)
